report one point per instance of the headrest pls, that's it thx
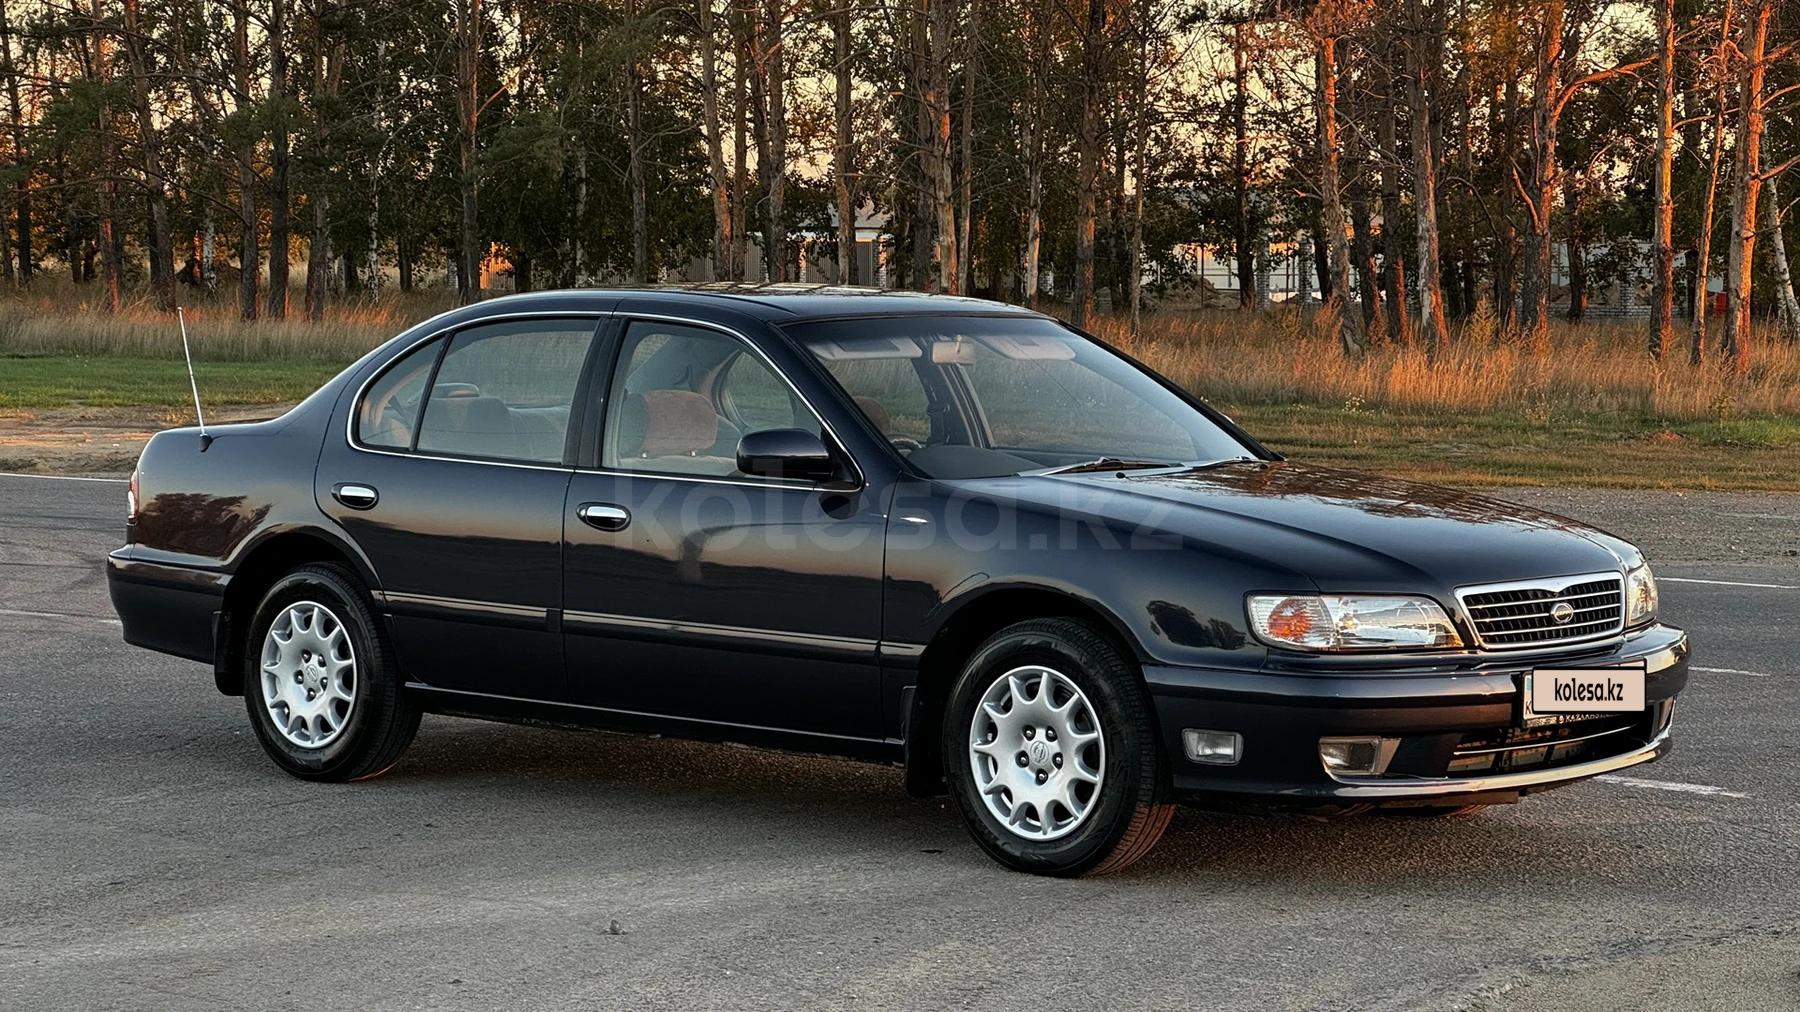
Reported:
(877, 412)
(667, 423)
(488, 415)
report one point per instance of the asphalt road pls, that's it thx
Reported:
(150, 856)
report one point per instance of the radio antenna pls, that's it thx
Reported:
(193, 384)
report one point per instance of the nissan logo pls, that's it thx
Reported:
(1561, 612)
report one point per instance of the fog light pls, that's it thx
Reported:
(1357, 757)
(1215, 748)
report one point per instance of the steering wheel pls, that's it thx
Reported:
(906, 444)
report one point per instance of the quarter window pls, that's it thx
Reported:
(389, 413)
(504, 391)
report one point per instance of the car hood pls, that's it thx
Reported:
(1342, 530)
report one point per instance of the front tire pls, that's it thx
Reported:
(1052, 754)
(320, 683)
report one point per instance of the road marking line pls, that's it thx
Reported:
(57, 614)
(1671, 785)
(61, 477)
(1732, 671)
(1729, 583)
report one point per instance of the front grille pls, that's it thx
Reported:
(1526, 614)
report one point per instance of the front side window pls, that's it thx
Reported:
(504, 391)
(967, 397)
(683, 396)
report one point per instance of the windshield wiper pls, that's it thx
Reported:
(1126, 464)
(1108, 464)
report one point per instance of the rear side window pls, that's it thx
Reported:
(504, 391)
(389, 413)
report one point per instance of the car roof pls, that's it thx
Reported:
(775, 303)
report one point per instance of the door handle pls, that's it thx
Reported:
(604, 516)
(357, 497)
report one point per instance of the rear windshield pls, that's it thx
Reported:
(968, 397)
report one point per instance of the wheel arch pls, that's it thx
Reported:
(957, 638)
(261, 564)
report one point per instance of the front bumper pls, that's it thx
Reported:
(1457, 720)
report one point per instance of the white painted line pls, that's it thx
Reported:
(57, 614)
(60, 477)
(1732, 671)
(1728, 583)
(1671, 785)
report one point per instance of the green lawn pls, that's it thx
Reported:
(1510, 449)
(55, 381)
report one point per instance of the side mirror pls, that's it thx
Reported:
(786, 453)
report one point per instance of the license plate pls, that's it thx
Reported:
(1552, 694)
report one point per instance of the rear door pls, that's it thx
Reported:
(451, 479)
(697, 592)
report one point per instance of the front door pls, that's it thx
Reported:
(454, 488)
(692, 590)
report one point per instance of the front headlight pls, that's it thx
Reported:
(1640, 596)
(1341, 622)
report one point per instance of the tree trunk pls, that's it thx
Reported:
(22, 188)
(1662, 312)
(279, 208)
(740, 145)
(161, 249)
(1432, 326)
(1140, 156)
(1035, 125)
(1752, 43)
(1243, 234)
(1703, 276)
(469, 26)
(841, 149)
(1393, 259)
(403, 263)
(327, 70)
(965, 204)
(377, 173)
(1088, 168)
(776, 91)
(1331, 203)
(1784, 276)
(110, 260)
(715, 143)
(249, 258)
(1540, 191)
(634, 160)
(1575, 250)
(939, 162)
(1505, 249)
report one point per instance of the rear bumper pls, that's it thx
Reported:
(170, 608)
(1449, 720)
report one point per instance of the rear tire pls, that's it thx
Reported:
(320, 682)
(1051, 750)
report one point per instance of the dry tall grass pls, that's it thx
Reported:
(1281, 357)
(56, 317)
(1597, 368)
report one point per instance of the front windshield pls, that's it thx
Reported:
(975, 397)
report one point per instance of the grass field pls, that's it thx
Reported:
(1596, 412)
(58, 381)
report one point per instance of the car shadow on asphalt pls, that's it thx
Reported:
(493, 773)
